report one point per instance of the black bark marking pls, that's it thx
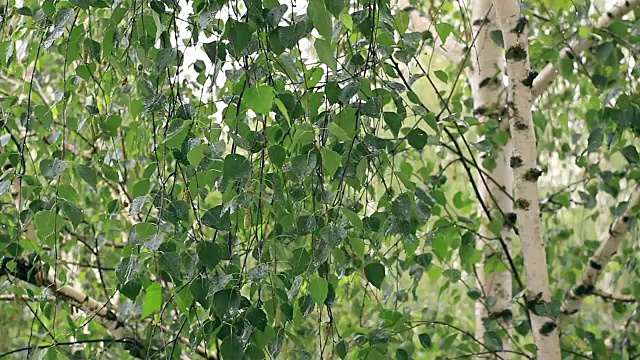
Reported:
(609, 14)
(487, 81)
(522, 204)
(520, 26)
(479, 22)
(515, 162)
(583, 290)
(519, 125)
(595, 265)
(480, 110)
(506, 315)
(568, 54)
(528, 82)
(532, 174)
(548, 327)
(516, 53)
(510, 220)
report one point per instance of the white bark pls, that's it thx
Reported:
(488, 92)
(550, 71)
(514, 31)
(597, 263)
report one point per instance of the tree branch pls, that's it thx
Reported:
(35, 275)
(609, 297)
(597, 263)
(104, 313)
(550, 71)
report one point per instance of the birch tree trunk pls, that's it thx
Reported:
(597, 263)
(488, 92)
(523, 161)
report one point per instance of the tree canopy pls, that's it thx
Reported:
(321, 179)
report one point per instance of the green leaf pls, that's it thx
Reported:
(47, 222)
(335, 7)
(128, 273)
(443, 29)
(209, 253)
(226, 302)
(217, 218)
(303, 165)
(306, 224)
(152, 300)
(378, 336)
(259, 98)
(474, 294)
(236, 167)
(215, 50)
(326, 53)
(338, 132)
(257, 318)
(496, 36)
(232, 347)
(417, 138)
(277, 155)
(318, 289)
(353, 218)
(631, 154)
(493, 340)
(440, 246)
(393, 121)
(275, 15)
(199, 290)
(330, 161)
(342, 348)
(425, 340)
(604, 50)
(239, 34)
(154, 103)
(196, 155)
(496, 226)
(83, 4)
(52, 168)
(321, 18)
(313, 77)
(85, 71)
(165, 57)
(93, 48)
(454, 275)
(73, 212)
(375, 274)
(441, 75)
(349, 91)
(300, 261)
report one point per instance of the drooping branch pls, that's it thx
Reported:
(524, 164)
(598, 261)
(577, 46)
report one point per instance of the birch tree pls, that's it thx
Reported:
(525, 170)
